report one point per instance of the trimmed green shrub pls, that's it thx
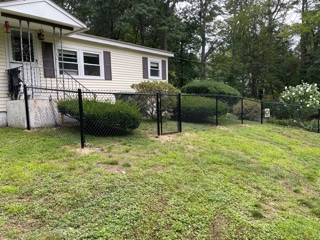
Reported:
(251, 110)
(147, 103)
(201, 109)
(104, 118)
(210, 87)
(154, 87)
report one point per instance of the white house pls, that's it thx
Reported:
(48, 48)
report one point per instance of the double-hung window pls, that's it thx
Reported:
(154, 69)
(81, 63)
(91, 64)
(68, 62)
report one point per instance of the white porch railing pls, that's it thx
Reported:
(57, 87)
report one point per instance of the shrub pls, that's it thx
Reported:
(200, 109)
(147, 103)
(251, 110)
(104, 118)
(303, 94)
(294, 112)
(311, 125)
(154, 87)
(210, 87)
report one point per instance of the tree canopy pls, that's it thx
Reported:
(252, 45)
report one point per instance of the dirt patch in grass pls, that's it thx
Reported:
(222, 128)
(189, 134)
(14, 224)
(112, 168)
(218, 226)
(86, 151)
(270, 209)
(165, 138)
(244, 125)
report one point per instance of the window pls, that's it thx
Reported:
(154, 68)
(68, 62)
(83, 64)
(16, 46)
(91, 63)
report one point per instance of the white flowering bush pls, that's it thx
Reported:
(304, 94)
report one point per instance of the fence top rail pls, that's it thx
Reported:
(291, 105)
(212, 95)
(119, 93)
(92, 92)
(53, 89)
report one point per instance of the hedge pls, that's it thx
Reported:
(210, 87)
(201, 109)
(103, 118)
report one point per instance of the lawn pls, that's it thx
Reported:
(236, 181)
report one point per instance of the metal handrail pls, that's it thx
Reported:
(81, 86)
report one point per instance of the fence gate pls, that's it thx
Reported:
(169, 113)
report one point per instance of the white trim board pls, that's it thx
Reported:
(106, 41)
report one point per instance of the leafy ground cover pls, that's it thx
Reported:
(246, 181)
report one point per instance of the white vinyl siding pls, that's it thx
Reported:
(126, 66)
(3, 73)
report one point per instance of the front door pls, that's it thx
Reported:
(28, 58)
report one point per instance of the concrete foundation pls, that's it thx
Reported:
(3, 119)
(43, 113)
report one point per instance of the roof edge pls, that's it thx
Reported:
(117, 43)
(49, 2)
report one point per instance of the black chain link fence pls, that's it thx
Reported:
(305, 117)
(74, 115)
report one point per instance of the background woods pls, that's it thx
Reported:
(254, 46)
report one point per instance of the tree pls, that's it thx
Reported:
(309, 31)
(202, 15)
(256, 46)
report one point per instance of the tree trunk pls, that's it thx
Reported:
(141, 31)
(303, 46)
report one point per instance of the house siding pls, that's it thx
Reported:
(126, 66)
(3, 74)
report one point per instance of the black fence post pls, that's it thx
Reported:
(261, 112)
(241, 110)
(217, 111)
(26, 105)
(81, 119)
(319, 120)
(158, 113)
(179, 113)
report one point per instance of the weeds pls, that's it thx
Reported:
(237, 182)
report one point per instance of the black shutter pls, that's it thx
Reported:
(145, 68)
(107, 65)
(48, 61)
(164, 69)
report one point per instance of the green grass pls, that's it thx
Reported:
(246, 181)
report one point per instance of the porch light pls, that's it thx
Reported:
(41, 35)
(6, 26)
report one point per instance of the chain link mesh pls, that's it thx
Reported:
(58, 113)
